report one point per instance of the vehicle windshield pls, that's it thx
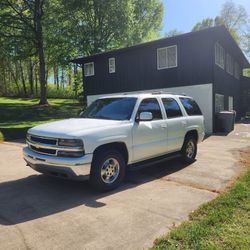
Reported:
(111, 108)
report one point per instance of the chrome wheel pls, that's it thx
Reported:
(190, 149)
(110, 170)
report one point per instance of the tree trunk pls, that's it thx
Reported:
(23, 80)
(14, 76)
(62, 79)
(36, 82)
(54, 74)
(31, 80)
(40, 48)
(4, 81)
(57, 78)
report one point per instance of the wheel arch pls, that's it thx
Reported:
(193, 133)
(119, 146)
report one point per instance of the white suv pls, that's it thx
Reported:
(115, 132)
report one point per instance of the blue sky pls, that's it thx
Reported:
(184, 14)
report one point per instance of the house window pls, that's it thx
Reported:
(167, 57)
(112, 65)
(230, 103)
(219, 55)
(230, 65)
(89, 69)
(219, 103)
(237, 71)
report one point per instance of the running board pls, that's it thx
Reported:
(156, 160)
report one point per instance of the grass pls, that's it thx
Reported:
(18, 115)
(223, 223)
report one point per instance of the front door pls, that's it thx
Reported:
(149, 137)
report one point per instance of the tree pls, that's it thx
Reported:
(22, 21)
(233, 16)
(103, 25)
(46, 31)
(204, 24)
(172, 33)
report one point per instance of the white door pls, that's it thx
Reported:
(176, 124)
(149, 137)
(230, 103)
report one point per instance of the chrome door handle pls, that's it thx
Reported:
(183, 123)
(164, 126)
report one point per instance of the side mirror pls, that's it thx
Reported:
(81, 113)
(145, 116)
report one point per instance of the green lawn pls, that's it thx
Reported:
(17, 115)
(223, 223)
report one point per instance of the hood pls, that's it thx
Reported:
(67, 128)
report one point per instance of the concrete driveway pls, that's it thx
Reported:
(39, 212)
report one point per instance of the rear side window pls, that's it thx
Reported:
(151, 105)
(190, 106)
(172, 108)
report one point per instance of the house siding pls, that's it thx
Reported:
(137, 69)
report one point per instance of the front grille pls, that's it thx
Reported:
(49, 146)
(43, 150)
(43, 140)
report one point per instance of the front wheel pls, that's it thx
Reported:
(107, 170)
(189, 150)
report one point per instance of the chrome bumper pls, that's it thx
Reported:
(72, 168)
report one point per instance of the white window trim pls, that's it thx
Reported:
(229, 63)
(176, 57)
(230, 103)
(86, 64)
(237, 70)
(218, 64)
(110, 71)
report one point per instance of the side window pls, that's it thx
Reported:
(172, 108)
(219, 55)
(89, 69)
(151, 105)
(112, 65)
(190, 106)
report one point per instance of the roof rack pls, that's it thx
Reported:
(165, 92)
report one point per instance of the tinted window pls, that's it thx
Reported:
(111, 108)
(172, 108)
(151, 105)
(190, 106)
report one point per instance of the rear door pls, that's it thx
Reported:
(176, 124)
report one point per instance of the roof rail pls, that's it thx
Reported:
(166, 92)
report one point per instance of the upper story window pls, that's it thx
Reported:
(172, 108)
(237, 72)
(151, 105)
(112, 65)
(219, 55)
(190, 106)
(89, 69)
(167, 57)
(230, 65)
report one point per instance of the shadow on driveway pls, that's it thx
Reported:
(38, 196)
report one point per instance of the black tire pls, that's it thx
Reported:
(189, 150)
(101, 177)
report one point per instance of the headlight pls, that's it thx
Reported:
(70, 142)
(70, 153)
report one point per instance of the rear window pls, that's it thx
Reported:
(190, 106)
(172, 108)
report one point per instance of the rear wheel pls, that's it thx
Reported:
(189, 149)
(107, 170)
